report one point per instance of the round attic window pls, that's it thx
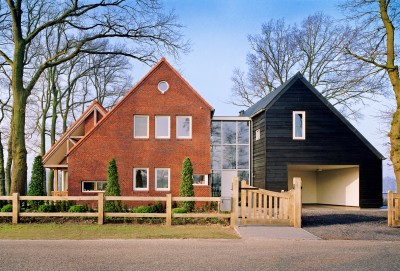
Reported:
(163, 86)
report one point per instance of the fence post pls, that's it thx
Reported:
(297, 202)
(100, 208)
(291, 207)
(235, 202)
(390, 207)
(243, 202)
(15, 208)
(168, 207)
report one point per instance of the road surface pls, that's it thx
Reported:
(243, 254)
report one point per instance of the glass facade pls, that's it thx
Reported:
(230, 150)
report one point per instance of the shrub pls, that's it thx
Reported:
(144, 209)
(179, 210)
(7, 208)
(37, 183)
(64, 206)
(186, 187)
(112, 188)
(47, 208)
(78, 209)
(159, 207)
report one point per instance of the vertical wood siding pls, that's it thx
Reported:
(328, 141)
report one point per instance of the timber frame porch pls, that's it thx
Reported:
(56, 158)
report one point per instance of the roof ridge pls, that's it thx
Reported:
(260, 105)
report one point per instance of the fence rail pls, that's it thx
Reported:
(393, 209)
(101, 214)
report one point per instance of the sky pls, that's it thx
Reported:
(218, 31)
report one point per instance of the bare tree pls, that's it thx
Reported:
(109, 78)
(139, 29)
(316, 49)
(375, 42)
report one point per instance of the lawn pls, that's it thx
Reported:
(53, 231)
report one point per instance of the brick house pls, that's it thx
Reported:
(292, 132)
(149, 132)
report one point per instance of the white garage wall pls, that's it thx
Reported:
(308, 183)
(338, 187)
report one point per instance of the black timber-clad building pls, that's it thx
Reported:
(296, 132)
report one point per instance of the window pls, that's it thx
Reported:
(299, 125)
(140, 179)
(163, 86)
(184, 127)
(93, 186)
(162, 127)
(200, 179)
(162, 179)
(229, 132)
(141, 126)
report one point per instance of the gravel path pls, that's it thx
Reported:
(348, 224)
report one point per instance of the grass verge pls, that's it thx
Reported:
(54, 231)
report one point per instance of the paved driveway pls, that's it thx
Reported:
(244, 254)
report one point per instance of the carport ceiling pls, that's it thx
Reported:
(318, 167)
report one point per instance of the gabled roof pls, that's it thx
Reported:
(265, 103)
(133, 90)
(74, 127)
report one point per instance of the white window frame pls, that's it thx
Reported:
(190, 130)
(205, 180)
(134, 179)
(156, 128)
(155, 180)
(95, 186)
(303, 125)
(134, 126)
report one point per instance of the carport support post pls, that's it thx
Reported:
(297, 202)
(235, 202)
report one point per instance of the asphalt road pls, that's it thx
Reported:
(243, 254)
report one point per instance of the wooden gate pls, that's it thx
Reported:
(264, 207)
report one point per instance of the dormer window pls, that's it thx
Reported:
(299, 125)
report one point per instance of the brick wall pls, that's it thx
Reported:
(113, 138)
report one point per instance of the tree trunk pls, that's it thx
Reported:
(394, 133)
(19, 153)
(393, 72)
(8, 166)
(53, 127)
(2, 173)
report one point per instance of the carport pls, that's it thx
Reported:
(327, 184)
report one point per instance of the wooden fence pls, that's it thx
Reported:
(101, 199)
(393, 209)
(259, 206)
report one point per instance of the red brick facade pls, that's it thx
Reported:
(113, 137)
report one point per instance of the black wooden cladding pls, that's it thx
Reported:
(329, 141)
